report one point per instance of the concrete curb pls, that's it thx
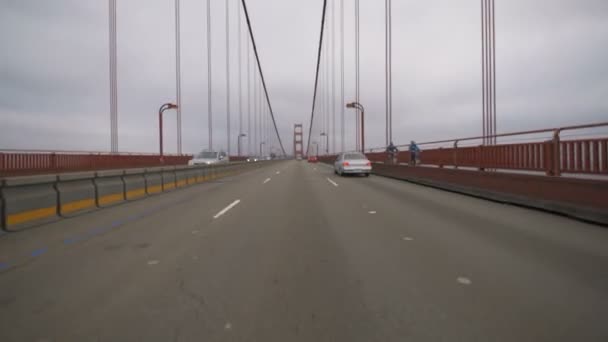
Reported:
(134, 184)
(76, 193)
(585, 214)
(34, 200)
(28, 201)
(109, 188)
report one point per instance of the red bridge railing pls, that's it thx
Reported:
(553, 157)
(36, 162)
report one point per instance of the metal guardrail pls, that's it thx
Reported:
(553, 157)
(36, 162)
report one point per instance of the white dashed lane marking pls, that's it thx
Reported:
(153, 262)
(464, 281)
(407, 238)
(332, 182)
(266, 181)
(225, 210)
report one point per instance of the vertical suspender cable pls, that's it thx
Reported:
(314, 97)
(357, 140)
(483, 73)
(249, 136)
(178, 76)
(333, 75)
(209, 79)
(489, 72)
(257, 57)
(342, 104)
(326, 87)
(255, 111)
(115, 80)
(389, 71)
(260, 116)
(327, 90)
(228, 76)
(494, 128)
(240, 53)
(386, 76)
(488, 75)
(113, 77)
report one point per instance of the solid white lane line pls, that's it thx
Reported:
(332, 182)
(232, 205)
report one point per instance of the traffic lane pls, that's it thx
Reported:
(527, 278)
(287, 279)
(15, 248)
(254, 274)
(572, 246)
(67, 293)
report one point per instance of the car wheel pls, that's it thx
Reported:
(367, 175)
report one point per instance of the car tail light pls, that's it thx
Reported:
(369, 163)
(346, 164)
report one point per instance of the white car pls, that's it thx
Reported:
(352, 163)
(209, 158)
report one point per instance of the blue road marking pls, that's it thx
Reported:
(38, 252)
(100, 230)
(72, 240)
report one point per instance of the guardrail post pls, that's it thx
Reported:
(554, 160)
(480, 158)
(455, 154)
(53, 165)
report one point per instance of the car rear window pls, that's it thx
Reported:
(355, 156)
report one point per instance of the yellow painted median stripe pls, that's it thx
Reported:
(136, 193)
(169, 186)
(192, 180)
(76, 206)
(153, 189)
(31, 215)
(109, 199)
(181, 183)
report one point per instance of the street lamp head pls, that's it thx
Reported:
(172, 106)
(350, 105)
(323, 134)
(242, 135)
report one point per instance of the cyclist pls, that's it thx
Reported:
(392, 151)
(414, 153)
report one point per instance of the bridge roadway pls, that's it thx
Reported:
(302, 259)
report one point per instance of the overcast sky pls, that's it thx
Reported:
(54, 92)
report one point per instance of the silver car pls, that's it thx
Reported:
(352, 163)
(209, 158)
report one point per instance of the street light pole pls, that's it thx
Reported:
(239, 140)
(162, 109)
(317, 148)
(326, 142)
(357, 105)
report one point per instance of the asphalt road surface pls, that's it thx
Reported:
(291, 252)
